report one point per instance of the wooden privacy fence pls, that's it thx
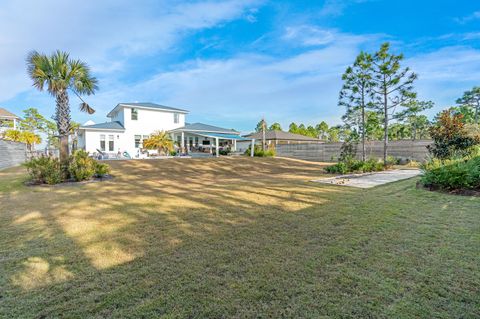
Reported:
(329, 152)
(11, 153)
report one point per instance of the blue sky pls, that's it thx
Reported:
(232, 62)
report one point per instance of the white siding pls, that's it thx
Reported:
(148, 122)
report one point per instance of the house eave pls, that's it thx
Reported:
(86, 128)
(146, 108)
(177, 130)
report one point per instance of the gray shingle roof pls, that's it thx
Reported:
(281, 135)
(105, 126)
(5, 113)
(205, 128)
(154, 106)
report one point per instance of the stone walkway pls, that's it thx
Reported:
(369, 180)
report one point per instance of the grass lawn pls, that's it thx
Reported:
(235, 238)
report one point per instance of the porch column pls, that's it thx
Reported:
(216, 147)
(234, 145)
(252, 148)
(182, 143)
(14, 124)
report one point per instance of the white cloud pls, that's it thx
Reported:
(337, 7)
(309, 35)
(241, 89)
(104, 33)
(469, 18)
(444, 74)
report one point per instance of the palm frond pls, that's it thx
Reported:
(84, 107)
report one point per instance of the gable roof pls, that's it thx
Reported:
(200, 127)
(114, 126)
(5, 113)
(148, 105)
(281, 135)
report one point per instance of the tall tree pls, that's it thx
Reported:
(260, 125)
(393, 87)
(59, 74)
(312, 132)
(356, 94)
(411, 115)
(471, 100)
(373, 126)
(275, 127)
(33, 121)
(293, 128)
(322, 130)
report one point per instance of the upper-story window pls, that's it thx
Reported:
(176, 118)
(134, 114)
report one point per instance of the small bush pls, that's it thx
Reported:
(173, 153)
(452, 174)
(101, 169)
(224, 152)
(48, 170)
(355, 166)
(391, 160)
(258, 152)
(80, 166)
(339, 168)
(44, 170)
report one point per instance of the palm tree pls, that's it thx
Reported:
(59, 74)
(160, 140)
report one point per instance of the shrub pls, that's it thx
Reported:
(80, 166)
(101, 169)
(44, 170)
(48, 170)
(355, 166)
(452, 174)
(391, 160)
(224, 152)
(339, 168)
(450, 137)
(258, 152)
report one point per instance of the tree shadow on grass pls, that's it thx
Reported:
(211, 240)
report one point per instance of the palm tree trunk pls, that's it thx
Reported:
(62, 117)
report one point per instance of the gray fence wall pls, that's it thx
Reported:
(328, 152)
(11, 153)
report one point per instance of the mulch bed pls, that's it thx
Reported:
(460, 192)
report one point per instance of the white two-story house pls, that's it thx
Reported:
(131, 123)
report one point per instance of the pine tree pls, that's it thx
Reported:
(393, 87)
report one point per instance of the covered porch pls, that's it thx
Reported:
(191, 142)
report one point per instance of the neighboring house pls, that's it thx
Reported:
(131, 123)
(8, 120)
(275, 137)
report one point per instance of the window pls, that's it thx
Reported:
(137, 140)
(134, 114)
(176, 118)
(111, 143)
(196, 141)
(102, 142)
(179, 139)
